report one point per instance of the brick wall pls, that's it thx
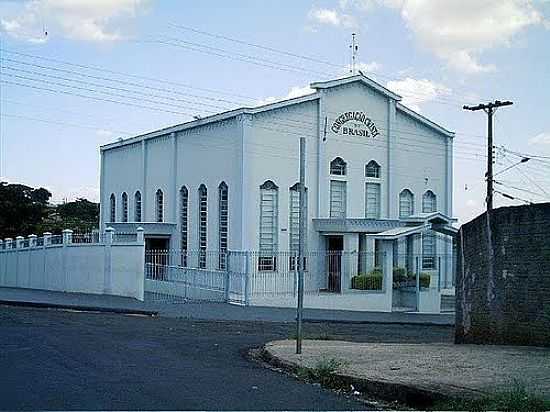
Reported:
(503, 277)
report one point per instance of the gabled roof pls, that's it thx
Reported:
(357, 78)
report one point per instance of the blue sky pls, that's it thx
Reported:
(438, 55)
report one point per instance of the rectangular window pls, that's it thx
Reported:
(372, 201)
(223, 225)
(337, 199)
(428, 251)
(268, 229)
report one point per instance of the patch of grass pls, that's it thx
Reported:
(516, 398)
(313, 336)
(324, 372)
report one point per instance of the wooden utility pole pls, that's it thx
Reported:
(301, 260)
(490, 109)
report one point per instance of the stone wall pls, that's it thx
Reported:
(503, 277)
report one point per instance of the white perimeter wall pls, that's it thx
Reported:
(116, 270)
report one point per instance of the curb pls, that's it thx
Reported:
(81, 308)
(386, 322)
(384, 390)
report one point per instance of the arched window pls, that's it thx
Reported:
(269, 215)
(203, 225)
(294, 223)
(338, 167)
(184, 223)
(223, 223)
(406, 203)
(137, 206)
(429, 202)
(112, 202)
(372, 169)
(159, 203)
(124, 207)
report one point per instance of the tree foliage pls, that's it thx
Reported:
(25, 210)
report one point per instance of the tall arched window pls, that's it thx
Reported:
(184, 223)
(372, 169)
(203, 225)
(159, 203)
(338, 167)
(406, 203)
(223, 223)
(124, 207)
(112, 204)
(429, 202)
(294, 223)
(269, 215)
(137, 206)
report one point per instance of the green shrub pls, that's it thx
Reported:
(399, 274)
(424, 280)
(324, 372)
(370, 281)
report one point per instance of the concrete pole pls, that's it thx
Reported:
(302, 245)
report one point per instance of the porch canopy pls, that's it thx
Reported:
(388, 228)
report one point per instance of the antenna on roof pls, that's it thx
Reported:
(354, 47)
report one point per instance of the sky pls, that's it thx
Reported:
(80, 73)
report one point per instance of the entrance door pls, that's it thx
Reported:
(335, 245)
(156, 258)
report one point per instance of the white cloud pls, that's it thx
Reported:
(367, 68)
(458, 31)
(417, 91)
(296, 91)
(540, 139)
(331, 17)
(89, 20)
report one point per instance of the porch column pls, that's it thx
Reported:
(415, 251)
(368, 255)
(386, 257)
(350, 259)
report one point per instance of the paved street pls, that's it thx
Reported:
(70, 360)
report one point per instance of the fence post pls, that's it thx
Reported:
(67, 236)
(140, 235)
(8, 242)
(246, 279)
(47, 238)
(108, 266)
(19, 242)
(1, 244)
(227, 275)
(32, 240)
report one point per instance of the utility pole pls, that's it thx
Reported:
(490, 109)
(302, 245)
(354, 47)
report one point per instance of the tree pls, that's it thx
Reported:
(25, 210)
(22, 209)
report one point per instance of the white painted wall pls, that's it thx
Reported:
(87, 268)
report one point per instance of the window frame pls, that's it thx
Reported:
(410, 197)
(159, 206)
(112, 205)
(203, 225)
(429, 196)
(137, 206)
(378, 213)
(184, 224)
(369, 167)
(124, 207)
(294, 225)
(338, 167)
(344, 201)
(267, 259)
(223, 224)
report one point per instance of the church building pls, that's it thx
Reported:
(375, 170)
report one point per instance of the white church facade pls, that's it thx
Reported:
(375, 171)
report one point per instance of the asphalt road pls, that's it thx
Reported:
(53, 359)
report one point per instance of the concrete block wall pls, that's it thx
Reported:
(503, 277)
